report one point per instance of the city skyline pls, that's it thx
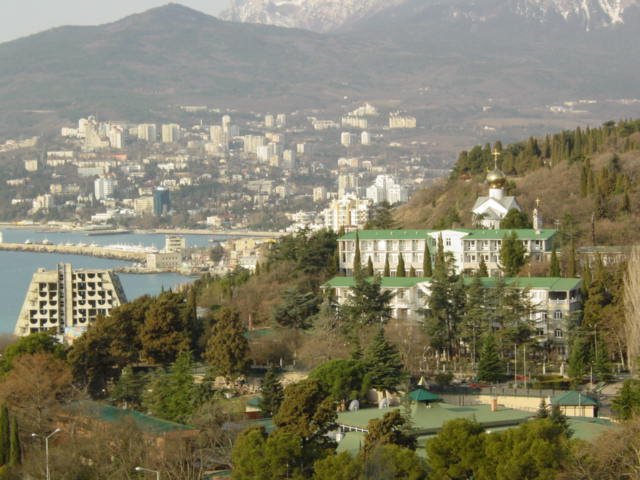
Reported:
(27, 17)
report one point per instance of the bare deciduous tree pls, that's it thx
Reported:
(632, 308)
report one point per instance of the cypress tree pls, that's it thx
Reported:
(427, 271)
(4, 435)
(400, 271)
(571, 266)
(370, 271)
(440, 263)
(554, 268)
(357, 262)
(387, 268)
(482, 268)
(490, 367)
(412, 272)
(586, 280)
(15, 449)
(257, 272)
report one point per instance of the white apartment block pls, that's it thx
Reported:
(386, 189)
(401, 121)
(66, 301)
(148, 132)
(347, 139)
(103, 187)
(554, 301)
(170, 133)
(467, 248)
(355, 122)
(349, 212)
(251, 143)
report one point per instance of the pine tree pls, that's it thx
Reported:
(427, 271)
(383, 365)
(15, 449)
(5, 436)
(490, 367)
(400, 271)
(482, 268)
(554, 267)
(370, 271)
(357, 262)
(272, 393)
(412, 272)
(387, 268)
(542, 412)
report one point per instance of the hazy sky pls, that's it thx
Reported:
(24, 17)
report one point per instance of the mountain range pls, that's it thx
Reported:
(446, 60)
(331, 15)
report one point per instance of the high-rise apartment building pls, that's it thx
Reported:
(161, 201)
(66, 301)
(103, 187)
(148, 132)
(170, 133)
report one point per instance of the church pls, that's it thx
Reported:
(489, 211)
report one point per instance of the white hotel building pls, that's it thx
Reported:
(467, 247)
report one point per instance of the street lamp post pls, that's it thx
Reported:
(46, 449)
(140, 469)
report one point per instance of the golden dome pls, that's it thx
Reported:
(496, 179)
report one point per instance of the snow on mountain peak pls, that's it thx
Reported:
(317, 15)
(328, 15)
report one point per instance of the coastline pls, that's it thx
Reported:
(74, 228)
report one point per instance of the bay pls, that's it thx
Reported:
(17, 268)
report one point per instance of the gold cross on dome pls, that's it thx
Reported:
(495, 154)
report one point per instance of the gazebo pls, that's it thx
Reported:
(421, 395)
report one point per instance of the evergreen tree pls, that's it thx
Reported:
(578, 359)
(626, 203)
(387, 268)
(228, 347)
(370, 271)
(128, 389)
(357, 261)
(427, 270)
(543, 411)
(554, 267)
(391, 429)
(383, 365)
(571, 265)
(367, 305)
(560, 420)
(412, 272)
(482, 268)
(272, 393)
(512, 255)
(171, 395)
(475, 317)
(15, 449)
(400, 271)
(5, 435)
(626, 404)
(490, 368)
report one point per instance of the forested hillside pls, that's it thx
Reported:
(586, 180)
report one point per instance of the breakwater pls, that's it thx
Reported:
(92, 251)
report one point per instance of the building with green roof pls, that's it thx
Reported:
(555, 301)
(468, 247)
